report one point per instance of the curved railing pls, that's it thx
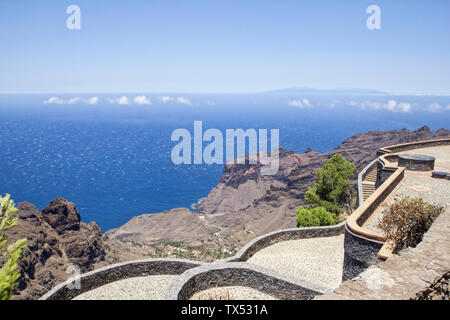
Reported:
(356, 220)
(414, 145)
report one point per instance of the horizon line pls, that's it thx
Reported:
(337, 90)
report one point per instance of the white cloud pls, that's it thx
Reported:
(93, 100)
(404, 107)
(73, 100)
(391, 105)
(165, 99)
(142, 100)
(122, 100)
(54, 100)
(303, 103)
(436, 108)
(180, 100)
(183, 100)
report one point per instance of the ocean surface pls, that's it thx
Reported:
(114, 160)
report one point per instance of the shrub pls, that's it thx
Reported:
(333, 184)
(406, 221)
(314, 217)
(8, 272)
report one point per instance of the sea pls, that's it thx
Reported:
(110, 154)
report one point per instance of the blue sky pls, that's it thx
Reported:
(223, 46)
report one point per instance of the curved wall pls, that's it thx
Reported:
(119, 271)
(269, 239)
(242, 274)
(359, 254)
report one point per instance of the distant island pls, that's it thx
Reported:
(341, 91)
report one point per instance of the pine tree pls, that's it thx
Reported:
(9, 272)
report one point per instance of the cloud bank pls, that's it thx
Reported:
(391, 105)
(142, 100)
(303, 103)
(179, 100)
(57, 100)
(436, 108)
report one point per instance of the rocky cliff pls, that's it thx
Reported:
(56, 239)
(246, 204)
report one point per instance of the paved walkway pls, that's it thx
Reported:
(139, 288)
(417, 183)
(318, 260)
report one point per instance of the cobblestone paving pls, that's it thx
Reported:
(319, 260)
(139, 288)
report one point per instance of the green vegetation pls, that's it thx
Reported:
(333, 184)
(331, 192)
(314, 217)
(8, 272)
(406, 221)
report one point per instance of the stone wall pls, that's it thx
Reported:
(234, 272)
(242, 274)
(416, 162)
(359, 254)
(119, 271)
(413, 145)
(269, 239)
(383, 174)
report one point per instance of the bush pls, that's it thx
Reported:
(333, 185)
(406, 221)
(314, 217)
(8, 271)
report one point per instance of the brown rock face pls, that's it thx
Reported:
(55, 239)
(62, 215)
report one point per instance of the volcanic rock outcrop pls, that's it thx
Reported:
(56, 239)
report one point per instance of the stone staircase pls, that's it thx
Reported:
(368, 185)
